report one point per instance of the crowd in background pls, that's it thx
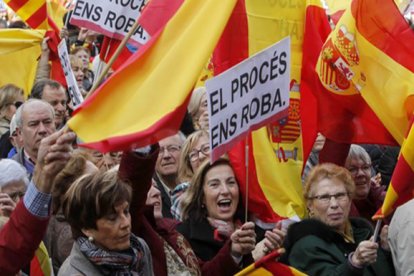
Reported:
(164, 209)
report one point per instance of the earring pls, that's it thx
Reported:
(203, 206)
(90, 238)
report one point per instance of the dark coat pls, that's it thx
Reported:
(317, 249)
(138, 170)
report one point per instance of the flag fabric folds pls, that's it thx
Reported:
(145, 100)
(33, 12)
(401, 188)
(274, 152)
(367, 62)
(19, 49)
(268, 265)
(342, 118)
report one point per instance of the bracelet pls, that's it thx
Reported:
(352, 263)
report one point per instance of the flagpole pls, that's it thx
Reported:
(113, 58)
(247, 178)
(377, 229)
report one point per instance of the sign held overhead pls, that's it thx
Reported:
(248, 96)
(113, 18)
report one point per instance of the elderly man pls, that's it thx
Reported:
(166, 169)
(54, 93)
(35, 121)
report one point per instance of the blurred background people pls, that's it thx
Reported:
(55, 94)
(197, 107)
(11, 97)
(369, 195)
(166, 169)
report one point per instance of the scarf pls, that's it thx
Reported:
(122, 263)
(223, 229)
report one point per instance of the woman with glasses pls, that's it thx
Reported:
(196, 149)
(369, 194)
(11, 97)
(331, 243)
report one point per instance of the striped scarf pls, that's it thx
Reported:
(120, 263)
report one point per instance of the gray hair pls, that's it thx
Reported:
(12, 171)
(19, 111)
(357, 152)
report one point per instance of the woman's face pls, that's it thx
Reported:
(361, 174)
(154, 199)
(79, 74)
(199, 153)
(221, 193)
(11, 108)
(330, 203)
(84, 56)
(113, 230)
(203, 105)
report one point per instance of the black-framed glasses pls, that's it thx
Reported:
(17, 104)
(326, 198)
(194, 154)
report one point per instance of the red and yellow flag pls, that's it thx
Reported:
(340, 115)
(368, 62)
(275, 153)
(20, 48)
(33, 12)
(268, 265)
(146, 99)
(401, 188)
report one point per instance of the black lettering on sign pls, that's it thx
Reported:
(109, 21)
(133, 4)
(78, 8)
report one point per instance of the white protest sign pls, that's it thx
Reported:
(73, 89)
(113, 18)
(248, 96)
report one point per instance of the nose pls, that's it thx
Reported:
(109, 162)
(125, 221)
(224, 189)
(333, 202)
(42, 128)
(166, 154)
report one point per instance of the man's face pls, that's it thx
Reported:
(58, 99)
(37, 123)
(169, 156)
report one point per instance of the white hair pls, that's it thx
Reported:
(12, 171)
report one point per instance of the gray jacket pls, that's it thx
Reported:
(78, 264)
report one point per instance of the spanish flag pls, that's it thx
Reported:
(145, 100)
(274, 152)
(268, 265)
(367, 64)
(20, 48)
(401, 188)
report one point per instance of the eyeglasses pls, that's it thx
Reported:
(16, 195)
(170, 149)
(205, 150)
(364, 168)
(326, 198)
(16, 104)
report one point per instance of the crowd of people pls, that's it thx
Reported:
(165, 209)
